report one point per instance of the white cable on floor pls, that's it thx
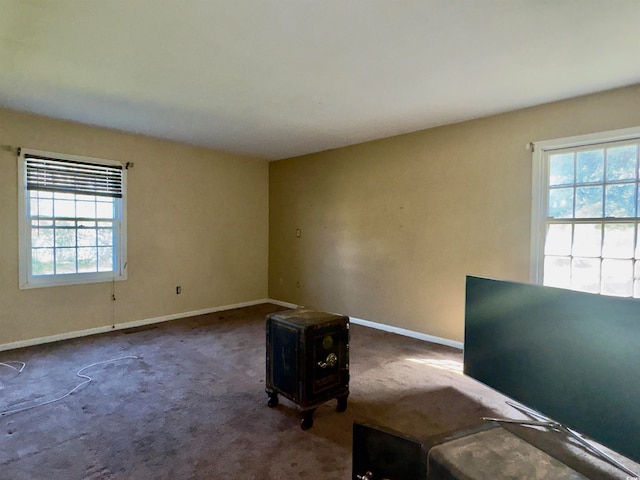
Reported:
(12, 367)
(87, 380)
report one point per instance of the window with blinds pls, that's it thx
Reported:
(73, 219)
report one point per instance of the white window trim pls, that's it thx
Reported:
(539, 187)
(26, 280)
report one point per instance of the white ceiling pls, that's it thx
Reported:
(275, 79)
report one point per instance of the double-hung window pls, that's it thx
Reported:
(586, 213)
(72, 219)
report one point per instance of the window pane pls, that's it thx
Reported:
(618, 240)
(622, 163)
(590, 167)
(558, 241)
(557, 272)
(86, 209)
(65, 208)
(40, 194)
(585, 274)
(65, 237)
(42, 261)
(636, 280)
(41, 207)
(41, 237)
(105, 209)
(87, 237)
(587, 240)
(64, 196)
(620, 200)
(617, 277)
(105, 259)
(589, 202)
(87, 259)
(105, 237)
(561, 169)
(65, 260)
(85, 198)
(561, 203)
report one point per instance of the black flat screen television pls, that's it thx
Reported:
(572, 356)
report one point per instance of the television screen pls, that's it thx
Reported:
(572, 356)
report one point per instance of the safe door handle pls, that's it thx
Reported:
(366, 476)
(330, 361)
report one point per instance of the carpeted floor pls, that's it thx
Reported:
(193, 406)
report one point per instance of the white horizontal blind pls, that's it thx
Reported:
(56, 175)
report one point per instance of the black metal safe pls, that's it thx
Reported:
(307, 359)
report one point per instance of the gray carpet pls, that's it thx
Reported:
(193, 406)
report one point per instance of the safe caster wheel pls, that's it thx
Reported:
(307, 419)
(306, 423)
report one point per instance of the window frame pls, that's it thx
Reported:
(26, 279)
(540, 187)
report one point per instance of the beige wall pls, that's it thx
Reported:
(196, 218)
(391, 228)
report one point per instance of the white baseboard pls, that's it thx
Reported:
(283, 304)
(174, 316)
(408, 333)
(122, 326)
(387, 328)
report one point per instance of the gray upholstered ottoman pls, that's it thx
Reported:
(494, 454)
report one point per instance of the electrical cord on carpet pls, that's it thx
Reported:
(12, 367)
(87, 380)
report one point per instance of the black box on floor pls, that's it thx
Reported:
(380, 453)
(307, 359)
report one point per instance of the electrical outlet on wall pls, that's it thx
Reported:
(178, 290)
